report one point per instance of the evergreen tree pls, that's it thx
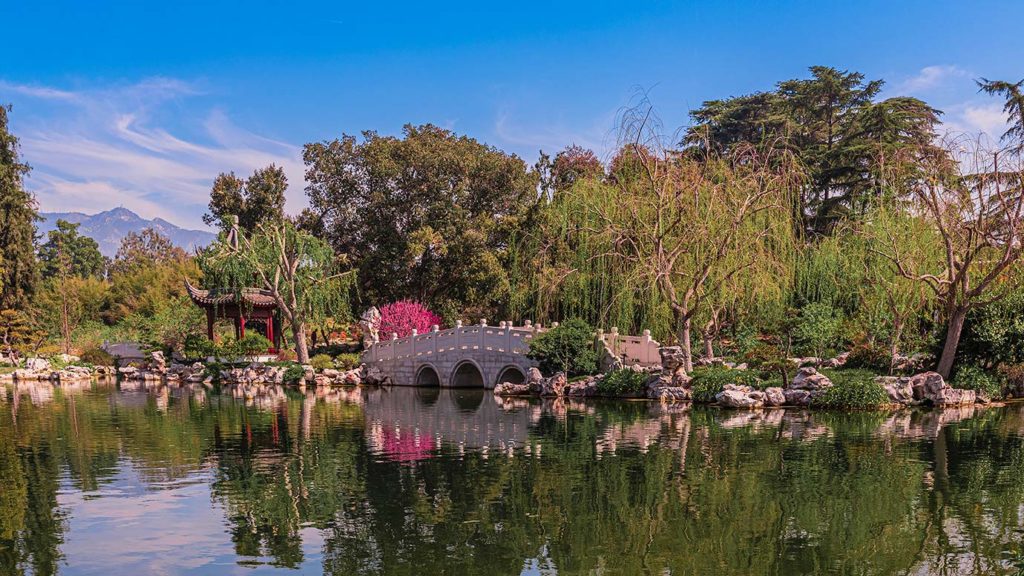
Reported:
(258, 199)
(18, 271)
(68, 253)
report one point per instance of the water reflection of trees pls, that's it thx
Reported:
(620, 488)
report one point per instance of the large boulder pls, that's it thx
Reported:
(954, 397)
(737, 396)
(37, 364)
(533, 375)
(582, 389)
(931, 387)
(554, 386)
(374, 376)
(774, 397)
(808, 378)
(511, 389)
(797, 397)
(926, 385)
(898, 389)
(672, 357)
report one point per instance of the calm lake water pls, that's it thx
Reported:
(108, 479)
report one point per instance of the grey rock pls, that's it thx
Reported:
(774, 397)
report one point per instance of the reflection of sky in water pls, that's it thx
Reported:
(158, 480)
(170, 528)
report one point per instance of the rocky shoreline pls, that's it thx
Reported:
(669, 383)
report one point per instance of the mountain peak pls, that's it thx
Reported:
(109, 227)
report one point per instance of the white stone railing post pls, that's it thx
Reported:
(435, 332)
(483, 330)
(412, 342)
(458, 334)
(645, 346)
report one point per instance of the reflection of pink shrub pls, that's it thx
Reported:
(406, 447)
(403, 316)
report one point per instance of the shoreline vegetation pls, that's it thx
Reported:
(811, 244)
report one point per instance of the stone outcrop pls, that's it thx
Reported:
(898, 389)
(808, 378)
(738, 396)
(774, 396)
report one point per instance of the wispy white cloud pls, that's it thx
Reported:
(150, 146)
(931, 77)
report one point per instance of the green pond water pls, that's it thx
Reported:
(128, 479)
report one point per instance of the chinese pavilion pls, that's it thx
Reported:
(257, 311)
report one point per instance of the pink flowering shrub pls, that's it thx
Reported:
(403, 316)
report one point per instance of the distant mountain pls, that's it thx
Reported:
(108, 228)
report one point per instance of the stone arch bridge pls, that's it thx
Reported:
(481, 356)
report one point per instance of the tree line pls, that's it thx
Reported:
(809, 217)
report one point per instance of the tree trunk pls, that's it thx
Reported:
(301, 350)
(685, 343)
(954, 326)
(709, 345)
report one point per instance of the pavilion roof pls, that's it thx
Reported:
(252, 296)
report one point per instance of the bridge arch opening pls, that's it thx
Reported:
(467, 375)
(513, 374)
(427, 376)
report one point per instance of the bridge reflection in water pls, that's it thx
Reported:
(462, 417)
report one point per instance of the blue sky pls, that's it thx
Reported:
(141, 106)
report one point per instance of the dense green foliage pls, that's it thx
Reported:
(256, 200)
(839, 129)
(321, 362)
(708, 382)
(994, 334)
(18, 270)
(570, 347)
(975, 378)
(623, 382)
(852, 390)
(428, 216)
(305, 277)
(68, 253)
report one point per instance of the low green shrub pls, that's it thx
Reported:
(347, 360)
(293, 374)
(871, 357)
(852, 389)
(976, 378)
(213, 370)
(708, 382)
(321, 362)
(198, 347)
(622, 383)
(286, 355)
(569, 348)
(97, 357)
(770, 362)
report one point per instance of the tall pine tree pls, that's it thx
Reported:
(18, 270)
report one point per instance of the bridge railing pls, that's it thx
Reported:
(632, 349)
(505, 337)
(501, 338)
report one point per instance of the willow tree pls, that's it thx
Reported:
(970, 209)
(686, 225)
(302, 273)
